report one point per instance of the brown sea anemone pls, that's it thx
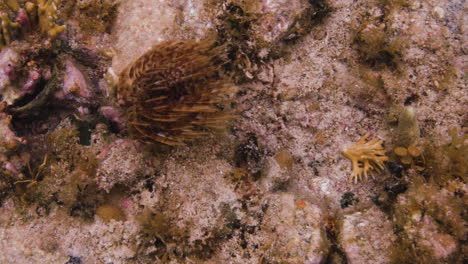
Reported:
(174, 93)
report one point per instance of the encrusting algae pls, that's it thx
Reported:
(172, 92)
(365, 156)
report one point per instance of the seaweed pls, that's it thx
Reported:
(235, 33)
(87, 201)
(245, 47)
(93, 16)
(307, 20)
(165, 238)
(378, 46)
(449, 161)
(426, 202)
(457, 153)
(377, 49)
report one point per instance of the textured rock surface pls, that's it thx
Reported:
(271, 188)
(367, 237)
(8, 59)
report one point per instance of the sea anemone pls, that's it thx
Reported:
(365, 156)
(174, 92)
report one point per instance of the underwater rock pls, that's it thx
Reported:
(8, 60)
(441, 245)
(277, 17)
(75, 82)
(367, 237)
(276, 175)
(33, 78)
(273, 188)
(192, 209)
(147, 23)
(432, 218)
(9, 140)
(293, 231)
(121, 162)
(115, 115)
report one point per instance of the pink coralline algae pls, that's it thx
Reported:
(120, 163)
(30, 84)
(75, 82)
(115, 115)
(441, 245)
(9, 71)
(23, 19)
(11, 167)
